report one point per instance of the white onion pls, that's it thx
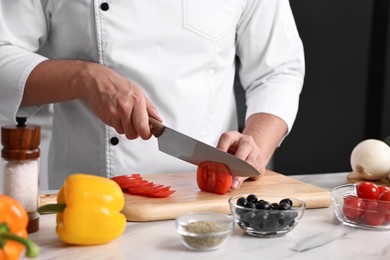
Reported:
(370, 159)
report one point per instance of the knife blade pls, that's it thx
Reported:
(195, 152)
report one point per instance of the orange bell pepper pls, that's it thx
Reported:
(13, 230)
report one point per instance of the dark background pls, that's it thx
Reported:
(346, 85)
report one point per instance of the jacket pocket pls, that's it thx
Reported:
(210, 19)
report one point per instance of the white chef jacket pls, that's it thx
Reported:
(181, 52)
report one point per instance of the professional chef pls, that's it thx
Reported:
(107, 65)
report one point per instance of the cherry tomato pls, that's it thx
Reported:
(214, 177)
(353, 207)
(367, 190)
(373, 214)
(384, 201)
(383, 188)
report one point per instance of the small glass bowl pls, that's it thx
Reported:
(267, 222)
(356, 213)
(204, 231)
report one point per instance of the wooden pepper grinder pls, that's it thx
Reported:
(21, 155)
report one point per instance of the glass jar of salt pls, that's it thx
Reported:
(20, 160)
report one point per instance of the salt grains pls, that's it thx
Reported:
(20, 155)
(21, 182)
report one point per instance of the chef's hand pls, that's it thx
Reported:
(245, 148)
(119, 102)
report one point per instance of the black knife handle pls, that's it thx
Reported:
(156, 127)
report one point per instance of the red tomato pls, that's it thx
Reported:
(367, 190)
(383, 188)
(353, 207)
(373, 214)
(384, 201)
(214, 177)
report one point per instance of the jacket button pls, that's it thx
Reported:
(114, 140)
(104, 6)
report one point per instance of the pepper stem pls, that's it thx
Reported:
(32, 249)
(52, 208)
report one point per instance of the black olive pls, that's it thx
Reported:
(274, 206)
(261, 220)
(241, 201)
(250, 205)
(263, 205)
(287, 200)
(284, 205)
(272, 223)
(249, 218)
(291, 223)
(284, 220)
(252, 198)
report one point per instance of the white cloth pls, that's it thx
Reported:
(181, 52)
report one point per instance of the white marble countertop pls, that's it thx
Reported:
(318, 236)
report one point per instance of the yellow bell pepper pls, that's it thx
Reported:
(88, 210)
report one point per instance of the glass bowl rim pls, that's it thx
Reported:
(225, 219)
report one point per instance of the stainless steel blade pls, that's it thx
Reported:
(194, 151)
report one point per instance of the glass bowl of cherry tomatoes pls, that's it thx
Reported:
(266, 216)
(364, 205)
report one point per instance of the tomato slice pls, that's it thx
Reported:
(124, 181)
(134, 184)
(126, 177)
(214, 177)
(162, 194)
(141, 188)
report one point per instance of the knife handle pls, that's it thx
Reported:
(156, 127)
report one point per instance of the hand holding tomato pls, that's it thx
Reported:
(245, 148)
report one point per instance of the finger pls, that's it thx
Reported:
(256, 177)
(117, 125)
(237, 181)
(227, 141)
(140, 118)
(128, 127)
(247, 149)
(152, 111)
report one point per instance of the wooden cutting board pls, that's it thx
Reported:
(188, 198)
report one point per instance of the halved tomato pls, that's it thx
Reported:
(214, 177)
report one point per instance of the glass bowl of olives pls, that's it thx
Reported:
(266, 216)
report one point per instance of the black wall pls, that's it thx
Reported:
(346, 94)
(337, 36)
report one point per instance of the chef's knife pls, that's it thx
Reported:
(193, 151)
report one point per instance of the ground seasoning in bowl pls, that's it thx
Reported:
(204, 231)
